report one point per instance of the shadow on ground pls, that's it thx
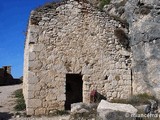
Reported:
(12, 82)
(5, 116)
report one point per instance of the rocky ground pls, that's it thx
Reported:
(7, 102)
(79, 111)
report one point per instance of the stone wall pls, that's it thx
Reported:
(67, 38)
(5, 76)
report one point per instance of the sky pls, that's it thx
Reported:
(14, 15)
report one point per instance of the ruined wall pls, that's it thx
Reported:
(5, 76)
(2, 74)
(72, 37)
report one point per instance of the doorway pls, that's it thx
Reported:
(74, 90)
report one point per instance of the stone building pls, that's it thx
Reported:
(71, 50)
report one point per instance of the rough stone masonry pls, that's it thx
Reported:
(71, 39)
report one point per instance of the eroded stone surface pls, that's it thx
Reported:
(144, 27)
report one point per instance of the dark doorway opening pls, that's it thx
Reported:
(74, 86)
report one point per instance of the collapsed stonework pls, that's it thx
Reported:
(71, 49)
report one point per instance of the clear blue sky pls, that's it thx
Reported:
(14, 16)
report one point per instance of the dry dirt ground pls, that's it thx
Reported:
(7, 102)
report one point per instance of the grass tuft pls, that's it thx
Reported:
(139, 99)
(58, 113)
(20, 103)
(103, 3)
(18, 93)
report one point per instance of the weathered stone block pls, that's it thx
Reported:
(40, 111)
(108, 86)
(127, 77)
(61, 97)
(30, 111)
(114, 83)
(30, 94)
(33, 87)
(105, 105)
(32, 78)
(85, 77)
(32, 56)
(53, 105)
(114, 94)
(109, 94)
(34, 103)
(118, 65)
(38, 47)
(51, 97)
(35, 65)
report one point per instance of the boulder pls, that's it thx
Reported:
(115, 111)
(141, 108)
(79, 107)
(82, 111)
